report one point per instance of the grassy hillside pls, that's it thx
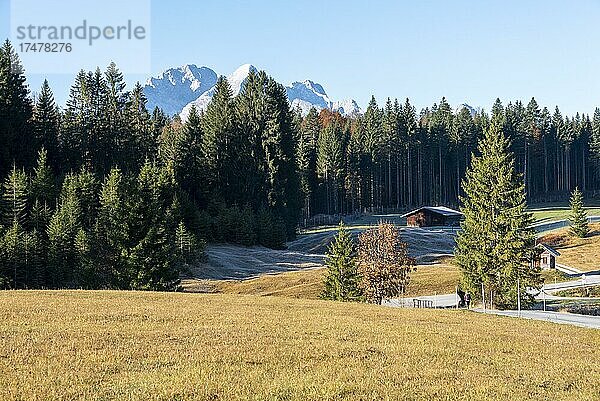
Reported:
(561, 211)
(581, 253)
(165, 346)
(426, 280)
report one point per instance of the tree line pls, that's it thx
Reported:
(393, 158)
(247, 169)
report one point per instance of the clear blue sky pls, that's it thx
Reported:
(469, 51)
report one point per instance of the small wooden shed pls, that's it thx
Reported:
(429, 216)
(547, 258)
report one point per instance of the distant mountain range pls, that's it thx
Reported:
(177, 89)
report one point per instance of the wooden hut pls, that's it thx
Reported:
(547, 258)
(429, 216)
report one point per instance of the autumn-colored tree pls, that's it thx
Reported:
(383, 262)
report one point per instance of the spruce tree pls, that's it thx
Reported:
(64, 262)
(188, 247)
(14, 198)
(342, 280)
(109, 248)
(496, 244)
(46, 123)
(13, 256)
(578, 216)
(283, 187)
(115, 120)
(190, 174)
(16, 134)
(152, 254)
(307, 158)
(71, 137)
(37, 251)
(330, 163)
(142, 138)
(87, 193)
(217, 125)
(43, 182)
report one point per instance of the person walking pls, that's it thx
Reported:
(468, 300)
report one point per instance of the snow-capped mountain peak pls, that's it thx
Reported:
(176, 90)
(308, 94)
(471, 109)
(237, 78)
(172, 89)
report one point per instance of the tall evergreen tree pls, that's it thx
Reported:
(16, 135)
(142, 138)
(111, 231)
(14, 198)
(217, 124)
(64, 264)
(496, 245)
(307, 158)
(46, 124)
(43, 181)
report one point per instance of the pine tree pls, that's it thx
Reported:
(13, 260)
(115, 119)
(43, 182)
(16, 134)
(87, 194)
(330, 164)
(14, 198)
(307, 158)
(217, 125)
(109, 248)
(71, 138)
(152, 254)
(190, 171)
(496, 245)
(142, 138)
(46, 123)
(188, 247)
(283, 186)
(270, 230)
(578, 216)
(342, 280)
(64, 264)
(373, 148)
(37, 251)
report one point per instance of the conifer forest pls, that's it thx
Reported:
(104, 193)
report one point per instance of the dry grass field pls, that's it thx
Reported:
(426, 280)
(581, 253)
(176, 346)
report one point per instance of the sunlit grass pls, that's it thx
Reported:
(561, 211)
(581, 253)
(438, 278)
(174, 346)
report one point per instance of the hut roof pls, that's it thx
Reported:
(441, 210)
(549, 249)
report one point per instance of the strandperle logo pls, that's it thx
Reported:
(85, 31)
(67, 36)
